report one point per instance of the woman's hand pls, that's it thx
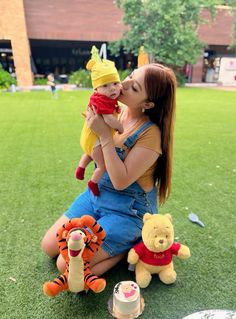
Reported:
(97, 124)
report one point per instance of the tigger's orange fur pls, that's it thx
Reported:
(82, 246)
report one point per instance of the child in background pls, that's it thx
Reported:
(107, 87)
(52, 84)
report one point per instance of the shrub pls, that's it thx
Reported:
(124, 73)
(181, 80)
(6, 80)
(81, 78)
(42, 81)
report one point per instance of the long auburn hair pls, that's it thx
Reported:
(160, 85)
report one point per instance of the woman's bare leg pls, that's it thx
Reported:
(99, 264)
(49, 241)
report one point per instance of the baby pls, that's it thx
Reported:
(107, 87)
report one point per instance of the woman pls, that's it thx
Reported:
(138, 163)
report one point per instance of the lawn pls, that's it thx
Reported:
(39, 152)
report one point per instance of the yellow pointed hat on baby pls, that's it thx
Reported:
(102, 72)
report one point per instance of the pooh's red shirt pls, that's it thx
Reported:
(104, 104)
(156, 259)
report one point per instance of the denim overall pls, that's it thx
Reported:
(120, 213)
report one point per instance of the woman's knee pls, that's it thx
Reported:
(49, 245)
(49, 242)
(102, 262)
(61, 264)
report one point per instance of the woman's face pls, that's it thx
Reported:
(133, 93)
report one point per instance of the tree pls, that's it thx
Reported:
(167, 29)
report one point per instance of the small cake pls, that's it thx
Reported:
(126, 300)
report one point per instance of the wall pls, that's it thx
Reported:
(217, 31)
(79, 20)
(13, 27)
(83, 20)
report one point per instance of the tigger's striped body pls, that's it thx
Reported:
(77, 246)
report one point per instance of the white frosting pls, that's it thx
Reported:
(126, 298)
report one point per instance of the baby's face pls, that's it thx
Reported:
(111, 90)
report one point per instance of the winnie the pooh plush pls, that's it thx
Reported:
(154, 254)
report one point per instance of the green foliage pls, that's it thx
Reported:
(123, 74)
(167, 29)
(231, 3)
(81, 78)
(6, 80)
(42, 81)
(181, 80)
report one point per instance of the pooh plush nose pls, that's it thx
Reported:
(158, 243)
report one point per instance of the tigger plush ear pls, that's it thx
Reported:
(64, 234)
(94, 239)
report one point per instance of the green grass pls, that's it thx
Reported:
(39, 151)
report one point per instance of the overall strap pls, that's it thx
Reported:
(133, 138)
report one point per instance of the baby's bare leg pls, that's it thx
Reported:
(97, 156)
(85, 160)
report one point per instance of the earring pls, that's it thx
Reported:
(143, 110)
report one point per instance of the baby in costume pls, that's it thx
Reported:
(107, 87)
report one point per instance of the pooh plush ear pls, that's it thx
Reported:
(169, 217)
(146, 217)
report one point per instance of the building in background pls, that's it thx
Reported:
(40, 37)
(14, 41)
(218, 37)
(227, 73)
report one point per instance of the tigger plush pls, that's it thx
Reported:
(77, 245)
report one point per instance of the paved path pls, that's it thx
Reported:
(211, 86)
